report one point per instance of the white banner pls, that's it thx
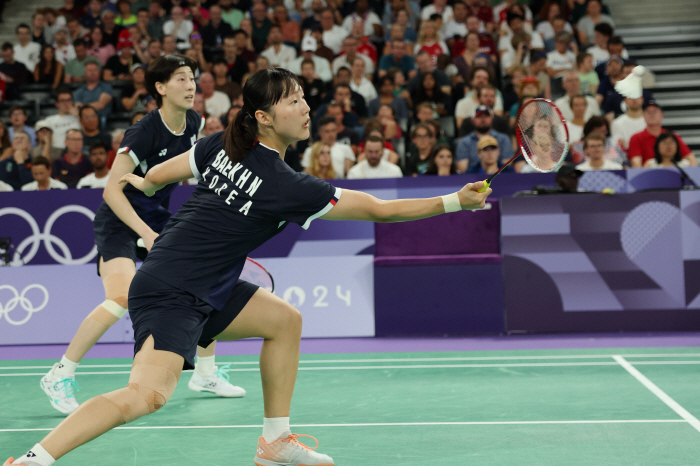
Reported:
(45, 304)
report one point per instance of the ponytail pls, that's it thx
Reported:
(240, 135)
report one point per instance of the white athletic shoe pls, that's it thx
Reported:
(287, 450)
(60, 391)
(217, 383)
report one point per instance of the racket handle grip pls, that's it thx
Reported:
(484, 187)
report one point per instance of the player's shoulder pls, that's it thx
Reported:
(194, 119)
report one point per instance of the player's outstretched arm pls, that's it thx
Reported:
(356, 205)
(174, 170)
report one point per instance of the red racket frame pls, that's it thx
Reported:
(265, 270)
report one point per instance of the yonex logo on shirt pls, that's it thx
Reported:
(162, 153)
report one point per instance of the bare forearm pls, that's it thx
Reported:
(120, 205)
(404, 210)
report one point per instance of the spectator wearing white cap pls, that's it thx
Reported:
(277, 53)
(308, 51)
(44, 139)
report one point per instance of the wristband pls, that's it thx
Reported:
(451, 203)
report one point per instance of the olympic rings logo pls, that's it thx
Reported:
(37, 237)
(24, 302)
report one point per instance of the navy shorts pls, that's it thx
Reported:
(114, 238)
(178, 320)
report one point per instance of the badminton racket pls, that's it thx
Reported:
(542, 136)
(253, 272)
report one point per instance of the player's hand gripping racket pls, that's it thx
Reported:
(542, 136)
(253, 272)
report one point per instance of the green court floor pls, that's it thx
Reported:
(564, 407)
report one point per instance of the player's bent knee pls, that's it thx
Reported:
(292, 318)
(149, 389)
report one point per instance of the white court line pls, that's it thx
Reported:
(670, 402)
(389, 424)
(419, 366)
(482, 358)
(354, 368)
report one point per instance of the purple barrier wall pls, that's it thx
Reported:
(440, 275)
(602, 263)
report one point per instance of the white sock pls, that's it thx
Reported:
(273, 427)
(205, 366)
(66, 368)
(37, 455)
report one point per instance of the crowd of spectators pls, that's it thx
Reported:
(396, 88)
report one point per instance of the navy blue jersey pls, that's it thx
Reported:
(148, 143)
(234, 209)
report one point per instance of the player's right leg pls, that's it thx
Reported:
(59, 384)
(154, 376)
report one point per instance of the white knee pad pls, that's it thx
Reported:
(114, 308)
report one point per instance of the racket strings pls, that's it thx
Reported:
(542, 135)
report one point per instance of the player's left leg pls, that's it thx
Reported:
(279, 323)
(207, 377)
(154, 375)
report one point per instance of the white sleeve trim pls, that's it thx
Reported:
(193, 165)
(130, 153)
(323, 211)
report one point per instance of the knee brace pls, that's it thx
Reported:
(116, 291)
(114, 308)
(149, 388)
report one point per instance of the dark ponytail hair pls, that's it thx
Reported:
(262, 90)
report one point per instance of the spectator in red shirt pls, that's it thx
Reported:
(641, 146)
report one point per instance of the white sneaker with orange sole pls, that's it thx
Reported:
(287, 450)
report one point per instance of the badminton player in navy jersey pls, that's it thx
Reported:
(128, 214)
(188, 291)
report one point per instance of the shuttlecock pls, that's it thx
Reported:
(631, 86)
